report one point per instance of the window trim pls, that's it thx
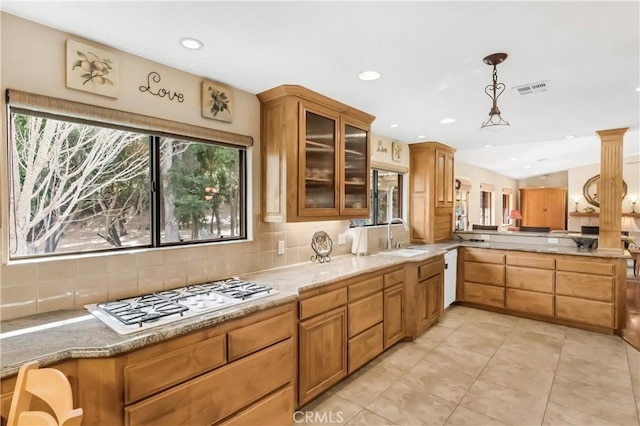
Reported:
(374, 195)
(154, 179)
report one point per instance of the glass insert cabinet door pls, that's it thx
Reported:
(318, 185)
(355, 178)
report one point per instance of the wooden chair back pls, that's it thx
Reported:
(51, 386)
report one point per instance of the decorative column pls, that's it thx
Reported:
(610, 190)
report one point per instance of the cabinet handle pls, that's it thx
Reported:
(446, 266)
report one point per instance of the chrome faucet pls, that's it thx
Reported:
(390, 235)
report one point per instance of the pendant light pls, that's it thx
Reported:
(494, 90)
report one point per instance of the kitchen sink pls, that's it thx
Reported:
(407, 252)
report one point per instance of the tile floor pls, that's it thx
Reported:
(482, 368)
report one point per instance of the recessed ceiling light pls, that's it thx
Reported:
(191, 43)
(447, 120)
(513, 159)
(637, 89)
(421, 136)
(569, 137)
(394, 125)
(527, 166)
(488, 146)
(369, 75)
(536, 172)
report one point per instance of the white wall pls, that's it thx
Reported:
(477, 176)
(578, 176)
(552, 180)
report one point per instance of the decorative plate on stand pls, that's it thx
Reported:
(322, 245)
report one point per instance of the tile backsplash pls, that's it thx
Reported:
(48, 285)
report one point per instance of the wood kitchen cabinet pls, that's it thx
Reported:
(431, 192)
(545, 207)
(209, 376)
(394, 307)
(424, 295)
(585, 292)
(314, 157)
(530, 283)
(322, 343)
(483, 276)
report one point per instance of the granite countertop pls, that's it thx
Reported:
(55, 336)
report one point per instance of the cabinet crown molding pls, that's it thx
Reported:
(309, 95)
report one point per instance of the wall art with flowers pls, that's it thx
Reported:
(217, 101)
(92, 69)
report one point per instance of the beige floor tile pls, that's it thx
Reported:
(426, 343)
(611, 355)
(547, 342)
(458, 359)
(580, 370)
(387, 368)
(534, 356)
(454, 317)
(516, 376)
(329, 409)
(541, 327)
(367, 418)
(486, 329)
(494, 318)
(474, 341)
(438, 333)
(438, 380)
(406, 405)
(593, 338)
(464, 417)
(364, 388)
(508, 405)
(558, 415)
(406, 356)
(610, 405)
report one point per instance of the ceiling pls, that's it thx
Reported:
(428, 53)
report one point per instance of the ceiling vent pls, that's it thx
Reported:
(527, 89)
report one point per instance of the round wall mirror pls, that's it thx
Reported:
(590, 190)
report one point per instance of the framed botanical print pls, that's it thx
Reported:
(91, 69)
(217, 101)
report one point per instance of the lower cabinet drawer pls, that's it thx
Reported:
(530, 301)
(484, 294)
(365, 313)
(274, 410)
(530, 279)
(365, 347)
(586, 311)
(218, 394)
(484, 273)
(596, 287)
(247, 340)
(146, 378)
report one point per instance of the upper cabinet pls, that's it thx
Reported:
(314, 157)
(431, 192)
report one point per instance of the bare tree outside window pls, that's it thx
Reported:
(76, 187)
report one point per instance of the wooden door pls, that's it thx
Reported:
(444, 179)
(422, 296)
(434, 297)
(323, 353)
(533, 203)
(556, 214)
(393, 315)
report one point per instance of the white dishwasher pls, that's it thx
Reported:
(450, 268)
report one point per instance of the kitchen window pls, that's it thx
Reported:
(79, 186)
(485, 207)
(386, 198)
